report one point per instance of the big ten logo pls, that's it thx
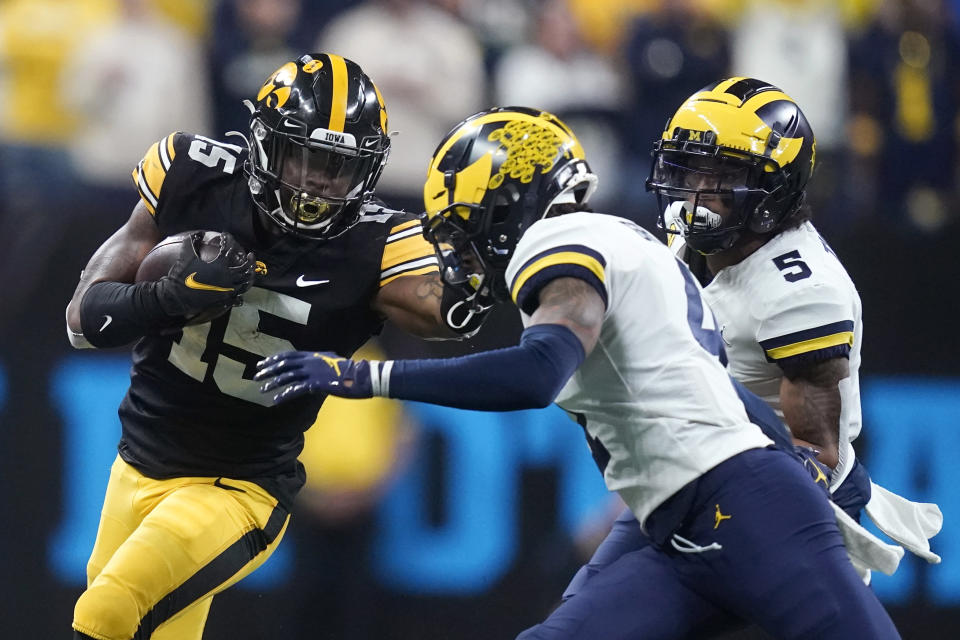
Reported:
(276, 90)
(528, 145)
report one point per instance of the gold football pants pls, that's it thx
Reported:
(165, 547)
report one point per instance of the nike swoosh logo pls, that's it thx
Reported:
(107, 319)
(191, 282)
(723, 337)
(218, 483)
(302, 282)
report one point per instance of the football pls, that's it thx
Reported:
(158, 262)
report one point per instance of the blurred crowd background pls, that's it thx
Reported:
(86, 86)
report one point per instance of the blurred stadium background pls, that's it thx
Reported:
(420, 522)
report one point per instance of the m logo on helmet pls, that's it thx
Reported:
(528, 146)
(276, 90)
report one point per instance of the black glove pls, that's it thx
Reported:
(194, 285)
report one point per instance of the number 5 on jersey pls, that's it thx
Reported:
(211, 153)
(792, 267)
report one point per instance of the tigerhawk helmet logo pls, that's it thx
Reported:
(276, 90)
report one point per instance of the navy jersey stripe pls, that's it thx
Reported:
(578, 248)
(528, 296)
(807, 334)
(791, 364)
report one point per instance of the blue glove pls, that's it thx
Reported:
(305, 372)
(854, 492)
(820, 472)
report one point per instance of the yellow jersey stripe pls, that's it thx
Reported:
(404, 250)
(152, 170)
(814, 344)
(422, 271)
(147, 204)
(404, 225)
(338, 102)
(145, 194)
(563, 257)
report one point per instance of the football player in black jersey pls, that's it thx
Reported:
(200, 492)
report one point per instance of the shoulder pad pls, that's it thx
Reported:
(553, 248)
(181, 162)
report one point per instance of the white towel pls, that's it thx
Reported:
(866, 551)
(909, 523)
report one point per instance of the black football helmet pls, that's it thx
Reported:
(491, 177)
(318, 143)
(735, 156)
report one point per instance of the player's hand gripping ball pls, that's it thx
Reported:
(200, 275)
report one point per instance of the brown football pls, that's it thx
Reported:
(158, 262)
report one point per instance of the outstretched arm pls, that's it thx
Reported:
(564, 330)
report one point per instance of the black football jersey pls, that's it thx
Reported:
(192, 408)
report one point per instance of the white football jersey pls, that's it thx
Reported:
(658, 408)
(789, 303)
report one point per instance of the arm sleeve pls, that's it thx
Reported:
(113, 314)
(526, 376)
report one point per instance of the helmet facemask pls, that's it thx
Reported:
(461, 263)
(491, 178)
(475, 242)
(312, 184)
(710, 194)
(473, 254)
(318, 143)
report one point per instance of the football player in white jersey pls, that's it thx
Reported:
(730, 172)
(735, 531)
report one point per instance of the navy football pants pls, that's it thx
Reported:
(782, 566)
